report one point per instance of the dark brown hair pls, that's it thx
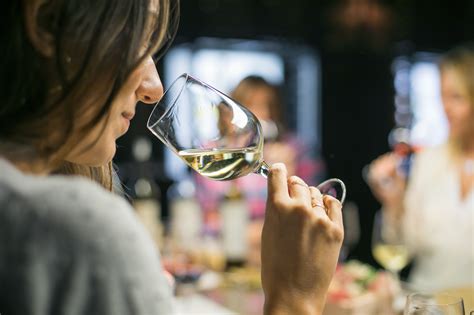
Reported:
(97, 44)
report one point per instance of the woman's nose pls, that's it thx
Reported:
(150, 90)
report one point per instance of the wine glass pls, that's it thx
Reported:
(433, 304)
(215, 135)
(387, 247)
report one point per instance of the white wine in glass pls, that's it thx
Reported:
(390, 252)
(391, 256)
(223, 164)
(216, 136)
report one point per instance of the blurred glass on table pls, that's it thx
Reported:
(433, 304)
(389, 252)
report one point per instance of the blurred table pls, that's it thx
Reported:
(198, 304)
(466, 293)
(241, 301)
(220, 301)
(239, 292)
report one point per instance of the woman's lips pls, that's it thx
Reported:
(127, 117)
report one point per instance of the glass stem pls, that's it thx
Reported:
(263, 169)
(396, 276)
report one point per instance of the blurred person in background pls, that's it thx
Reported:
(432, 208)
(265, 102)
(72, 74)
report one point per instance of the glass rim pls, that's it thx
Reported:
(150, 125)
(452, 298)
(187, 78)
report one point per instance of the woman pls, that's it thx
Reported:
(434, 213)
(72, 73)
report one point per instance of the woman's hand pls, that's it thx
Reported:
(386, 182)
(301, 240)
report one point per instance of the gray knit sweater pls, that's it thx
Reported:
(67, 246)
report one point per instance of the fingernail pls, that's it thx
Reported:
(296, 180)
(277, 167)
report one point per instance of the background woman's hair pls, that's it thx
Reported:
(97, 44)
(249, 84)
(461, 60)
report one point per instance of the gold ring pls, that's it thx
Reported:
(315, 204)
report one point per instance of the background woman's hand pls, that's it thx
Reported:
(300, 245)
(386, 182)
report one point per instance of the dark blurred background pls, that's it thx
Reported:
(356, 42)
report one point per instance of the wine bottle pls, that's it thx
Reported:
(234, 221)
(186, 214)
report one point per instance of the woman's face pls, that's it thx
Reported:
(457, 106)
(143, 85)
(258, 102)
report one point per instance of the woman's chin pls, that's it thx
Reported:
(108, 156)
(95, 158)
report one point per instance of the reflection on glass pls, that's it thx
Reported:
(226, 141)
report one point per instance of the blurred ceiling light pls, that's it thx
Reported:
(360, 22)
